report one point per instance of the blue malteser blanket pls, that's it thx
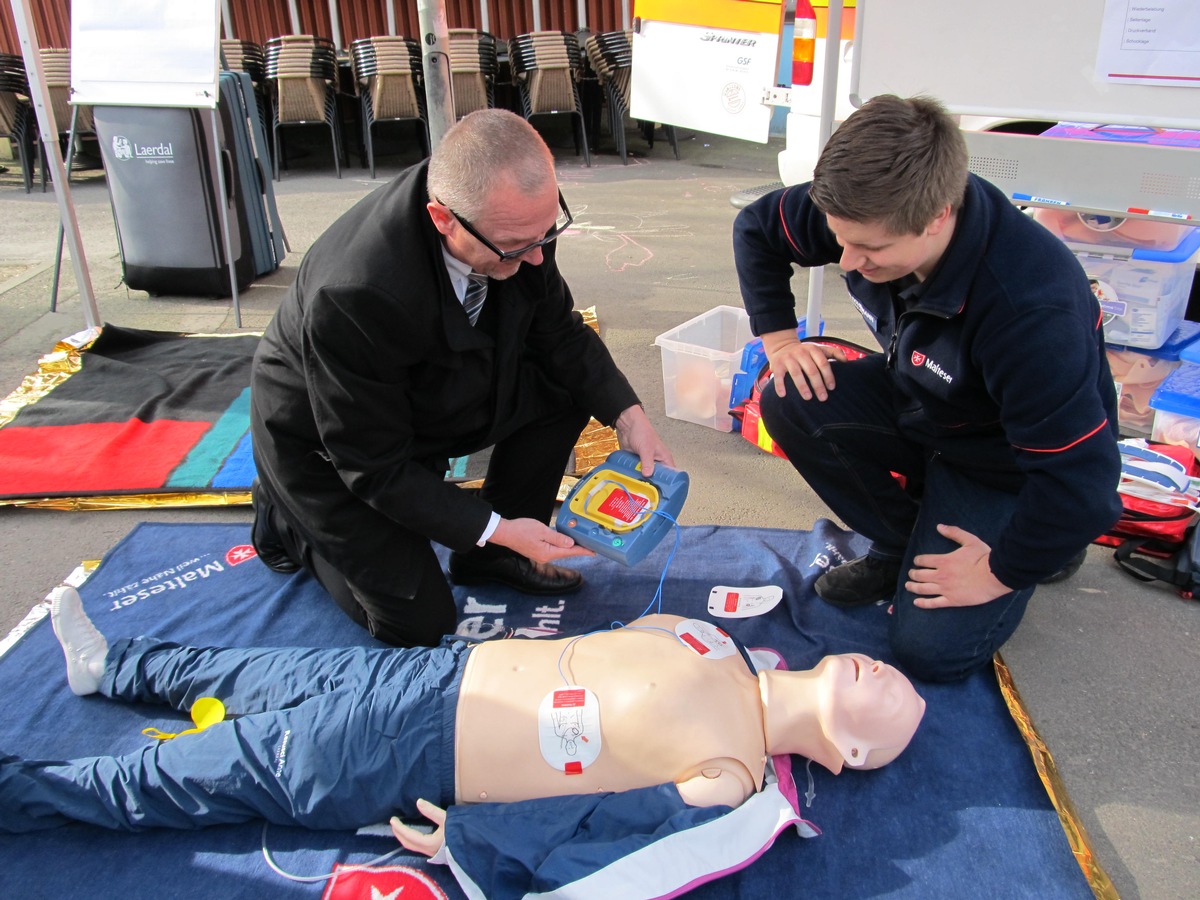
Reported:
(961, 813)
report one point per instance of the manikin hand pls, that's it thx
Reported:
(961, 577)
(808, 364)
(637, 435)
(535, 540)
(418, 841)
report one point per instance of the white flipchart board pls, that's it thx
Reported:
(1044, 60)
(1029, 59)
(145, 52)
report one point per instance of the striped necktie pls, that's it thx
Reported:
(475, 295)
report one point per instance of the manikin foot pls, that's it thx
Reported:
(83, 645)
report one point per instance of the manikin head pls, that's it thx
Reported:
(868, 710)
(848, 710)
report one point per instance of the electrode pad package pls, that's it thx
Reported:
(620, 513)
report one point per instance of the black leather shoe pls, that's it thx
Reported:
(266, 542)
(859, 582)
(1073, 565)
(516, 572)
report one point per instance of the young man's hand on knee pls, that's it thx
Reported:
(961, 577)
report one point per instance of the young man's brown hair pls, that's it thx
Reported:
(894, 161)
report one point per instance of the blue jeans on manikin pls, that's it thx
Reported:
(847, 448)
(327, 738)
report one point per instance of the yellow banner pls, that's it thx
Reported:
(758, 16)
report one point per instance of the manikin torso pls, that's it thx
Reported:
(667, 713)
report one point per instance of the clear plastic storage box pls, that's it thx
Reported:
(1177, 409)
(699, 359)
(1141, 270)
(1138, 373)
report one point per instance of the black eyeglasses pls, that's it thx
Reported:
(561, 224)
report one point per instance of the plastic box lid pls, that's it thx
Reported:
(1184, 343)
(1125, 134)
(1141, 238)
(1179, 392)
(719, 333)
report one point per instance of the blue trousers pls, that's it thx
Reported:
(325, 738)
(847, 448)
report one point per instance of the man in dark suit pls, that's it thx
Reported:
(381, 365)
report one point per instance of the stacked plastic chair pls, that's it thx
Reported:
(302, 76)
(16, 115)
(610, 55)
(56, 65)
(473, 68)
(546, 68)
(248, 57)
(390, 83)
(245, 56)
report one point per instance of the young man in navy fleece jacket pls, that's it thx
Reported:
(993, 396)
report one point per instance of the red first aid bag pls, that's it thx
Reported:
(1158, 529)
(749, 413)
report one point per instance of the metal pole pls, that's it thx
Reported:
(581, 12)
(829, 87)
(391, 17)
(537, 14)
(484, 23)
(58, 249)
(626, 21)
(435, 41)
(335, 25)
(39, 94)
(215, 154)
(227, 19)
(295, 14)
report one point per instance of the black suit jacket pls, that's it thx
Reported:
(370, 377)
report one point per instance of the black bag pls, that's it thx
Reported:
(1180, 569)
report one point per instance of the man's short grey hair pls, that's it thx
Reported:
(486, 148)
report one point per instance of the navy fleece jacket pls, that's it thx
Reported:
(1001, 360)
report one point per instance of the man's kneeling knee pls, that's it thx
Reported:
(936, 664)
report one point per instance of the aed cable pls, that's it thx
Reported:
(312, 879)
(655, 603)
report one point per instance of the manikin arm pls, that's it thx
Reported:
(419, 841)
(721, 782)
(510, 850)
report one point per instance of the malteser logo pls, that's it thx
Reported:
(921, 361)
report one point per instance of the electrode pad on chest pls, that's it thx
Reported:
(705, 639)
(569, 729)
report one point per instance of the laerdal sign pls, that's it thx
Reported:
(124, 148)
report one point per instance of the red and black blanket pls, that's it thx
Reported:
(132, 413)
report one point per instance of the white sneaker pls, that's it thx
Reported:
(83, 645)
